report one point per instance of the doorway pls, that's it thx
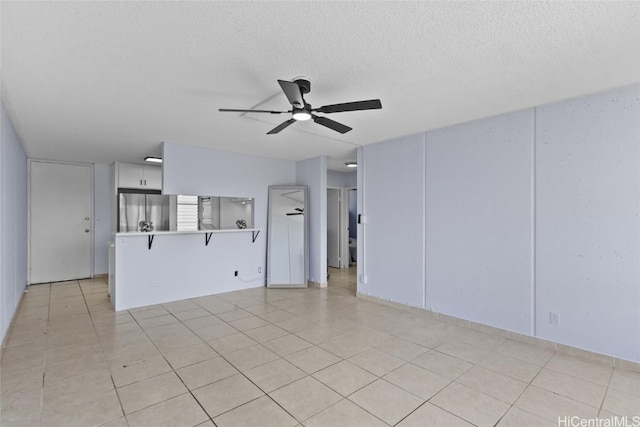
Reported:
(334, 221)
(352, 213)
(60, 212)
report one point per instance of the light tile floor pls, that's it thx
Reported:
(259, 357)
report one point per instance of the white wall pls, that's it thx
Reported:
(527, 213)
(341, 179)
(394, 211)
(13, 221)
(202, 171)
(101, 217)
(588, 222)
(313, 174)
(351, 179)
(180, 266)
(478, 221)
(195, 170)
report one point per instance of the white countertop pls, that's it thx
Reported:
(147, 233)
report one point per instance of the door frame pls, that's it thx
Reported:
(92, 222)
(341, 252)
(347, 190)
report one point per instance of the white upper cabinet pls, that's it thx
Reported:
(152, 177)
(139, 176)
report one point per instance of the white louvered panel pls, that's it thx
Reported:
(187, 207)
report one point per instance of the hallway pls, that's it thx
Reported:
(343, 280)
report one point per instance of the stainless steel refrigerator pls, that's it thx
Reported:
(139, 210)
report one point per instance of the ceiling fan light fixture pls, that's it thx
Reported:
(302, 111)
(351, 164)
(301, 115)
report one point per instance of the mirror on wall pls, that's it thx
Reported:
(287, 237)
(211, 213)
(149, 211)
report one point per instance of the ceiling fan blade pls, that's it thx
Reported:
(331, 124)
(232, 110)
(294, 213)
(371, 104)
(293, 93)
(281, 126)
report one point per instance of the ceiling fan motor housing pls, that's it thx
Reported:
(304, 83)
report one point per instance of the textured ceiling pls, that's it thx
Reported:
(105, 81)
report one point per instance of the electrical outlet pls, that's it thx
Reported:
(554, 319)
(236, 273)
(259, 270)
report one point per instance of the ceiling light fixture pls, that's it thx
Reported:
(153, 159)
(295, 91)
(351, 164)
(301, 115)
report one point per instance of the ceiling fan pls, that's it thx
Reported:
(298, 212)
(301, 110)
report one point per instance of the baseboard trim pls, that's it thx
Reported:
(5, 339)
(313, 284)
(539, 342)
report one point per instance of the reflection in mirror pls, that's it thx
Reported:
(213, 213)
(145, 211)
(287, 242)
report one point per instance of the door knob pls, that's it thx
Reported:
(86, 218)
(87, 230)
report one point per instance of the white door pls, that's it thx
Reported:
(333, 227)
(60, 242)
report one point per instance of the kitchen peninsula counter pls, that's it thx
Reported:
(147, 268)
(146, 233)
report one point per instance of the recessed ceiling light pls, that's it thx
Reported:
(153, 159)
(351, 164)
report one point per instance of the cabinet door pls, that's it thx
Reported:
(130, 176)
(152, 178)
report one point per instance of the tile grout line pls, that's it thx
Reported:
(280, 357)
(219, 355)
(366, 319)
(115, 389)
(44, 367)
(606, 391)
(248, 379)
(189, 391)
